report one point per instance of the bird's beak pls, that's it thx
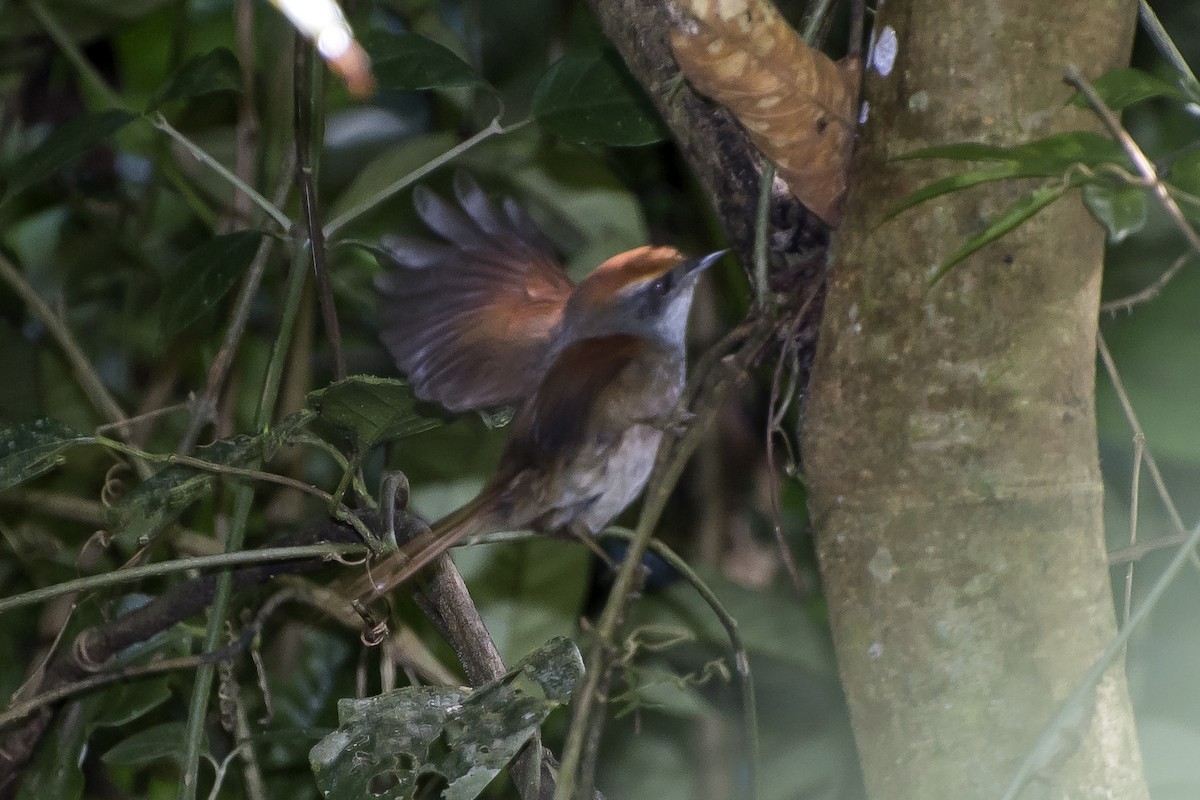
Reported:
(698, 265)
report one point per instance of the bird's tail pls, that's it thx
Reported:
(473, 519)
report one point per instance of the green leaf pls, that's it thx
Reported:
(1044, 158)
(370, 409)
(1121, 208)
(1185, 172)
(151, 744)
(204, 278)
(1120, 88)
(1013, 216)
(68, 142)
(127, 702)
(389, 166)
(215, 71)
(160, 499)
(29, 449)
(408, 61)
(590, 98)
(1052, 155)
(456, 739)
(954, 183)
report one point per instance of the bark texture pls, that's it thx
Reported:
(949, 438)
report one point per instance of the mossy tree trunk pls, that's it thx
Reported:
(949, 438)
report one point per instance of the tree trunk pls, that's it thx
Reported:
(949, 439)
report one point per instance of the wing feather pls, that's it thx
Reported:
(470, 318)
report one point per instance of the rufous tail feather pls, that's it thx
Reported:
(413, 556)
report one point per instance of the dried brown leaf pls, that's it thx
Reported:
(796, 103)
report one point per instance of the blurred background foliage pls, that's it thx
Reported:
(105, 241)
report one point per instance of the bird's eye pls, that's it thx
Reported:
(663, 285)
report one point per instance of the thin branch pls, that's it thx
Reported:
(132, 574)
(1165, 44)
(201, 155)
(1150, 292)
(305, 96)
(89, 380)
(243, 501)
(494, 128)
(741, 657)
(713, 382)
(1052, 736)
(205, 406)
(1145, 168)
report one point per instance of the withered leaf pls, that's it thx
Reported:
(796, 103)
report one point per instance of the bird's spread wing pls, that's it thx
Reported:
(470, 319)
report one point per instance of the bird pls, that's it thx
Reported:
(487, 317)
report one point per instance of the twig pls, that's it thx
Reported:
(247, 126)
(243, 501)
(493, 129)
(132, 574)
(1165, 44)
(1143, 164)
(762, 225)
(201, 155)
(1124, 555)
(1150, 292)
(304, 96)
(586, 722)
(205, 405)
(741, 658)
(1135, 491)
(1131, 417)
(85, 374)
(1047, 745)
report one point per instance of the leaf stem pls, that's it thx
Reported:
(201, 155)
(494, 128)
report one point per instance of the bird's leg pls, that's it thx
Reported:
(575, 530)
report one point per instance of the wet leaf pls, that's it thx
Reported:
(29, 449)
(590, 98)
(371, 409)
(160, 499)
(456, 739)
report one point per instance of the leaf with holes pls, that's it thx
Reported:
(371, 410)
(29, 449)
(449, 742)
(160, 499)
(204, 278)
(68, 142)
(590, 98)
